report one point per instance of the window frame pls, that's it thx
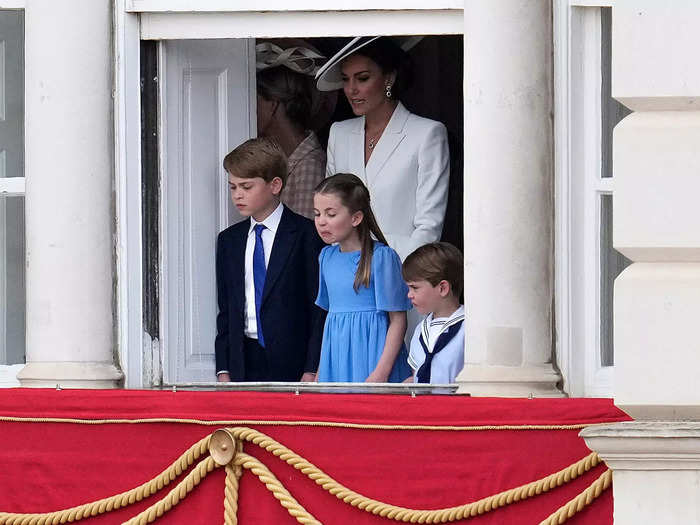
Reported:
(9, 187)
(140, 355)
(578, 190)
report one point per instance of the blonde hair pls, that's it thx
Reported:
(261, 157)
(354, 195)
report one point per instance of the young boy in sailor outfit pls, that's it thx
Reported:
(434, 275)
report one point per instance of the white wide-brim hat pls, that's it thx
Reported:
(329, 77)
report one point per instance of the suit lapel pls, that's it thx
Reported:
(285, 238)
(388, 142)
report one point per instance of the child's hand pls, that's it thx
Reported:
(377, 377)
(308, 377)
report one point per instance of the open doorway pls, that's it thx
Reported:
(202, 93)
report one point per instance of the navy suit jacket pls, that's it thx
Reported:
(291, 322)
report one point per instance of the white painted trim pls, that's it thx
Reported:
(590, 3)
(563, 273)
(588, 227)
(578, 186)
(606, 185)
(8, 375)
(3, 283)
(598, 380)
(223, 6)
(222, 183)
(12, 186)
(465, 202)
(158, 356)
(127, 132)
(161, 26)
(3, 102)
(648, 446)
(12, 4)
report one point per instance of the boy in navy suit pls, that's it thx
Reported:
(268, 327)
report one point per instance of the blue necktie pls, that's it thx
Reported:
(259, 271)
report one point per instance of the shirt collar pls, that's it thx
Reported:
(457, 316)
(459, 311)
(272, 221)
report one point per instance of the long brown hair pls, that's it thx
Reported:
(353, 194)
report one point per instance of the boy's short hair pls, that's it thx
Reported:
(261, 157)
(435, 262)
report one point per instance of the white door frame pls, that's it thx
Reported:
(159, 19)
(132, 341)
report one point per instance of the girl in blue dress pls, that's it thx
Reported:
(361, 288)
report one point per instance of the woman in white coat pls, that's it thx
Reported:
(402, 158)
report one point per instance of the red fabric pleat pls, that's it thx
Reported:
(49, 466)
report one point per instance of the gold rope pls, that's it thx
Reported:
(233, 475)
(260, 422)
(242, 460)
(275, 486)
(88, 510)
(411, 515)
(580, 501)
(181, 490)
(231, 496)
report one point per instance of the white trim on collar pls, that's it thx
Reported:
(272, 221)
(456, 317)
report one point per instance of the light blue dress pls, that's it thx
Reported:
(357, 322)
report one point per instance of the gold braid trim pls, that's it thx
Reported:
(240, 460)
(181, 490)
(396, 513)
(302, 423)
(233, 475)
(580, 501)
(275, 486)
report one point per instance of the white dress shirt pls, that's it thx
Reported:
(271, 224)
